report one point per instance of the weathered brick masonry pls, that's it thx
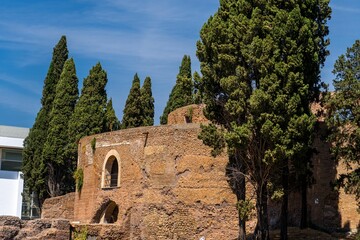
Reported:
(165, 185)
(59, 207)
(169, 186)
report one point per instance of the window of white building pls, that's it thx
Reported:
(11, 160)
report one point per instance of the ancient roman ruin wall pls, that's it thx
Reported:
(169, 186)
(188, 114)
(59, 207)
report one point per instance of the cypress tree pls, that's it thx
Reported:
(112, 123)
(182, 93)
(89, 113)
(197, 95)
(260, 63)
(147, 103)
(59, 169)
(33, 165)
(133, 107)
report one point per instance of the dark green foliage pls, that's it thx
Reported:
(245, 207)
(34, 168)
(80, 234)
(89, 113)
(79, 178)
(197, 95)
(59, 168)
(139, 107)
(112, 123)
(260, 62)
(344, 118)
(182, 93)
(60, 55)
(93, 144)
(213, 137)
(133, 107)
(147, 100)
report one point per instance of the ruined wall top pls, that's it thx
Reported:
(194, 114)
(188, 114)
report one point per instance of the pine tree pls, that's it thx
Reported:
(33, 165)
(133, 107)
(59, 169)
(112, 123)
(89, 113)
(147, 103)
(182, 93)
(260, 63)
(344, 118)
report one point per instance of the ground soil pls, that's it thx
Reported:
(309, 234)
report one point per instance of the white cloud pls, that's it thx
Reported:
(148, 37)
(345, 9)
(20, 83)
(94, 41)
(21, 102)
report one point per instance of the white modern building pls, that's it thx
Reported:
(11, 179)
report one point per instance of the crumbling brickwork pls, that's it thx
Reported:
(59, 207)
(329, 209)
(188, 114)
(13, 228)
(168, 186)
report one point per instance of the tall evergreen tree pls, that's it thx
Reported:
(89, 113)
(197, 95)
(260, 62)
(33, 165)
(182, 93)
(112, 123)
(344, 118)
(132, 112)
(59, 169)
(147, 103)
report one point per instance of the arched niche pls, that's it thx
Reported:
(107, 212)
(110, 215)
(111, 170)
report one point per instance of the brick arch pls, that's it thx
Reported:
(106, 213)
(111, 161)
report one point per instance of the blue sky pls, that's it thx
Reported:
(148, 37)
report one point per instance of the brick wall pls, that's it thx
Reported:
(171, 188)
(192, 113)
(329, 209)
(59, 207)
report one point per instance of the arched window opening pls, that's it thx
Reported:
(111, 173)
(111, 170)
(114, 174)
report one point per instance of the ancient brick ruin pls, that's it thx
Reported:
(156, 183)
(12, 228)
(162, 183)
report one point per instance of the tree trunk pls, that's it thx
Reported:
(53, 181)
(240, 195)
(262, 227)
(40, 201)
(303, 222)
(285, 201)
(234, 171)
